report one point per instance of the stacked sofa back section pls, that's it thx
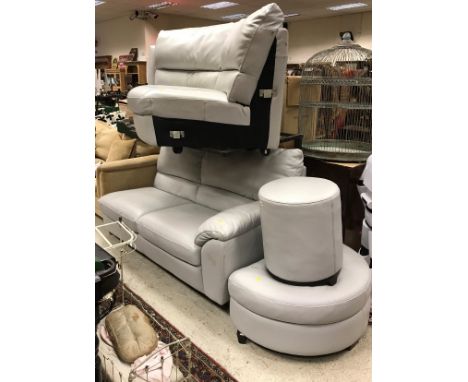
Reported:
(220, 181)
(226, 57)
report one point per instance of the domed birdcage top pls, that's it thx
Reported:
(346, 51)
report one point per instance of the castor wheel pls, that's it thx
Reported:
(241, 338)
(177, 150)
(265, 152)
(351, 347)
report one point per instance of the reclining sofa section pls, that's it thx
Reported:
(215, 87)
(201, 219)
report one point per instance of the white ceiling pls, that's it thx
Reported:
(308, 9)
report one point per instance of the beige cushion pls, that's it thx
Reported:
(104, 137)
(142, 149)
(120, 149)
(131, 333)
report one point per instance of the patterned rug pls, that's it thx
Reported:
(203, 368)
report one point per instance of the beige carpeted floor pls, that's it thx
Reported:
(210, 327)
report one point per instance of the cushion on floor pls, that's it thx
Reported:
(132, 204)
(131, 333)
(174, 230)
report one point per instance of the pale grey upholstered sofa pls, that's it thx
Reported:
(201, 219)
(219, 86)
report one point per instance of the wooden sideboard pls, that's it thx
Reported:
(346, 176)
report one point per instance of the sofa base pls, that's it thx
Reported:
(189, 274)
(304, 340)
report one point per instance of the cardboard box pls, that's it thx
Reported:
(290, 119)
(290, 122)
(293, 90)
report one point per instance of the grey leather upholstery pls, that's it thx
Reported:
(221, 258)
(303, 340)
(299, 319)
(211, 73)
(309, 247)
(229, 223)
(240, 163)
(174, 230)
(188, 103)
(130, 205)
(201, 219)
(227, 57)
(365, 190)
(305, 305)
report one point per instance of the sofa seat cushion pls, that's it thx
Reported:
(132, 204)
(174, 230)
(191, 103)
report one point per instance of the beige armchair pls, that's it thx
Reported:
(121, 171)
(125, 174)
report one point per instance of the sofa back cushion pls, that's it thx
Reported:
(223, 180)
(226, 57)
(179, 174)
(244, 172)
(218, 199)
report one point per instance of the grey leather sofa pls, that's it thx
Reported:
(201, 219)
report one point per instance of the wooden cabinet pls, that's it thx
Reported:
(135, 73)
(116, 77)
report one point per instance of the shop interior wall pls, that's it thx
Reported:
(311, 36)
(116, 37)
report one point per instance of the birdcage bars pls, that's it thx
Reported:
(335, 108)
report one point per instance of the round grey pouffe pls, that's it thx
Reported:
(301, 228)
(302, 320)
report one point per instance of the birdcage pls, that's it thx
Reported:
(335, 107)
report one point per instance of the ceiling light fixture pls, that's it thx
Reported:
(143, 15)
(346, 6)
(219, 5)
(236, 16)
(291, 15)
(97, 2)
(162, 5)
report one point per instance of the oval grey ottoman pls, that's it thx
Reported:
(301, 228)
(302, 320)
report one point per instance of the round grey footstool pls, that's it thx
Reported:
(302, 320)
(301, 228)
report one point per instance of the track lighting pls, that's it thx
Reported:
(143, 15)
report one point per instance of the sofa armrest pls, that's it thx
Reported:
(125, 174)
(229, 223)
(220, 258)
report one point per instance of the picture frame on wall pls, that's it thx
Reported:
(102, 62)
(123, 59)
(133, 54)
